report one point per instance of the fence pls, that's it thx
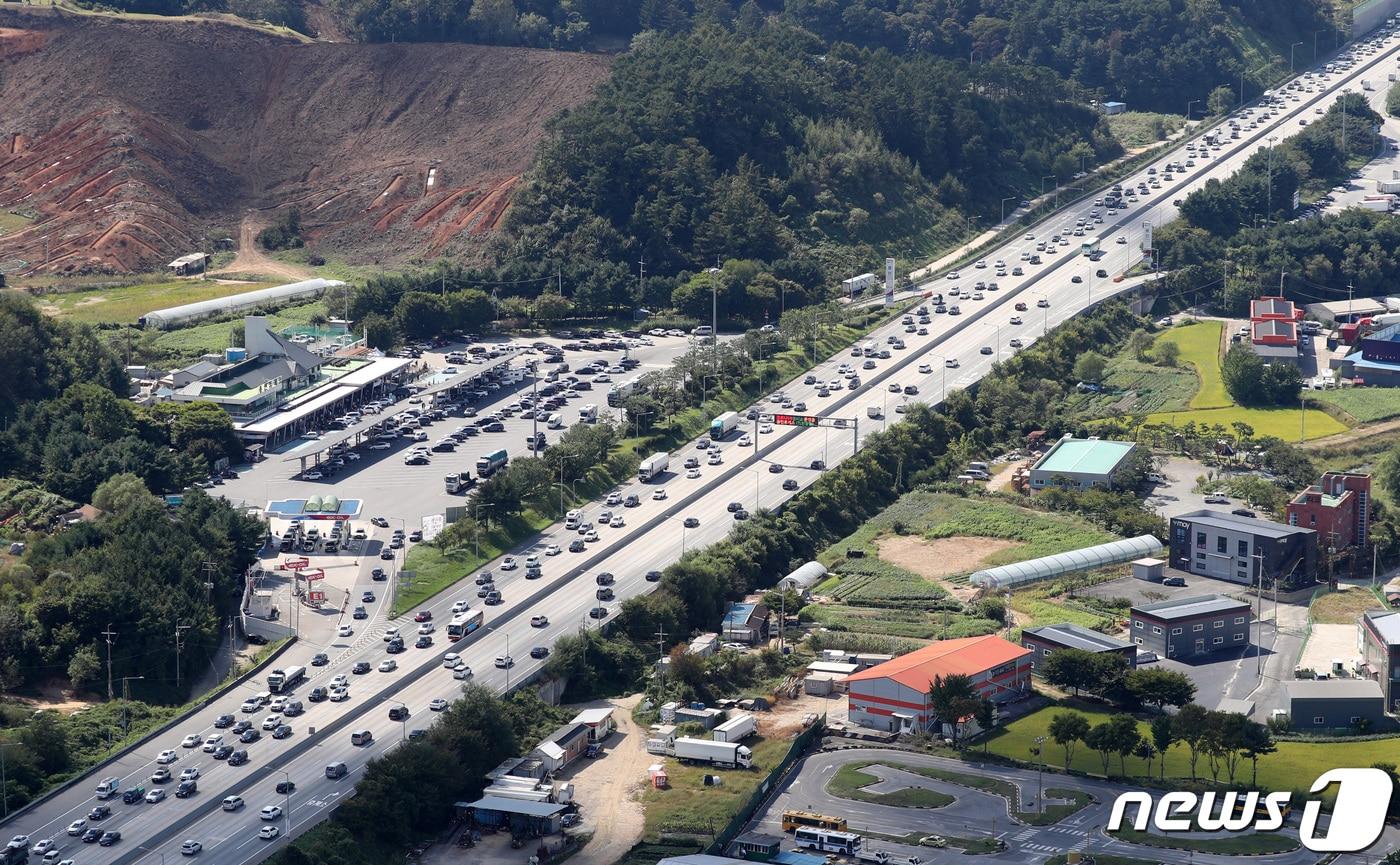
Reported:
(760, 795)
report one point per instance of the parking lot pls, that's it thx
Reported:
(407, 493)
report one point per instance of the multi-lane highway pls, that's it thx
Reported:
(653, 536)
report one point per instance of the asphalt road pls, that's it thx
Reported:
(566, 592)
(976, 814)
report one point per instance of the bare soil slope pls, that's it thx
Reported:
(132, 140)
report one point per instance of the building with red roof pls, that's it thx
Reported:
(893, 696)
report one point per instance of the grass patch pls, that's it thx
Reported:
(1141, 128)
(201, 339)
(1254, 844)
(689, 807)
(848, 780)
(125, 304)
(1344, 606)
(1292, 767)
(1200, 348)
(1284, 423)
(1363, 404)
(12, 222)
(1076, 799)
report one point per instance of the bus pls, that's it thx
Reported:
(1089, 247)
(827, 841)
(797, 819)
(463, 624)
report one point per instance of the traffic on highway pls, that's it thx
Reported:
(257, 767)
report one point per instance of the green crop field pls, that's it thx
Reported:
(1292, 767)
(125, 304)
(1364, 404)
(1200, 347)
(204, 338)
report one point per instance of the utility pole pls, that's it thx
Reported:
(714, 317)
(111, 636)
(179, 634)
(660, 642)
(1259, 614)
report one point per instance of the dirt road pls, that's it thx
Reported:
(608, 788)
(252, 260)
(1352, 436)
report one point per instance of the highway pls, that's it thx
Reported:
(566, 591)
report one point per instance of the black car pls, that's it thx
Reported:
(395, 646)
(222, 752)
(91, 836)
(398, 713)
(109, 838)
(285, 787)
(317, 695)
(320, 660)
(539, 652)
(386, 554)
(249, 736)
(734, 506)
(604, 579)
(775, 468)
(653, 576)
(1243, 512)
(691, 523)
(187, 789)
(238, 758)
(424, 642)
(223, 721)
(134, 795)
(598, 613)
(361, 667)
(378, 574)
(100, 812)
(534, 572)
(818, 465)
(741, 515)
(241, 726)
(257, 640)
(283, 731)
(577, 545)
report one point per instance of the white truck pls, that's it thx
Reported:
(653, 466)
(736, 729)
(458, 481)
(723, 425)
(1379, 203)
(729, 755)
(588, 414)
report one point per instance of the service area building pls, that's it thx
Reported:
(1189, 627)
(1241, 549)
(1335, 704)
(1080, 463)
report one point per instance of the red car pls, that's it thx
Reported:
(1020, 307)
(423, 616)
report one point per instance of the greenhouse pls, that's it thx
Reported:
(1046, 567)
(164, 319)
(804, 578)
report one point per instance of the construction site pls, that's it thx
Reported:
(126, 144)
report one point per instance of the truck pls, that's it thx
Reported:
(619, 393)
(736, 729)
(588, 414)
(487, 464)
(728, 755)
(653, 466)
(1379, 203)
(458, 481)
(282, 680)
(14, 854)
(723, 425)
(108, 788)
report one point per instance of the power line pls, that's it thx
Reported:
(111, 635)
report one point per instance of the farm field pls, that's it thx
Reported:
(1292, 767)
(125, 304)
(204, 338)
(1364, 404)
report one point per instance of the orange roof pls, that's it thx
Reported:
(967, 656)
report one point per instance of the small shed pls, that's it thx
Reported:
(1149, 569)
(822, 684)
(195, 262)
(598, 721)
(521, 816)
(758, 846)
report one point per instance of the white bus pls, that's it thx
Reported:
(827, 840)
(463, 624)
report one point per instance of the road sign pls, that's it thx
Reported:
(796, 420)
(432, 525)
(295, 564)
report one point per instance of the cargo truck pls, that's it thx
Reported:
(588, 414)
(280, 681)
(458, 481)
(488, 464)
(736, 729)
(653, 466)
(724, 425)
(729, 755)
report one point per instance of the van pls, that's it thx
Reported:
(872, 411)
(361, 737)
(336, 770)
(556, 421)
(703, 330)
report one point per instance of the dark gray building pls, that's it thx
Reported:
(1044, 641)
(1187, 627)
(1336, 704)
(1379, 632)
(1241, 549)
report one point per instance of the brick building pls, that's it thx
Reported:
(1337, 507)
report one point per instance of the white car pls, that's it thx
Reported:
(1121, 239)
(167, 757)
(617, 521)
(156, 795)
(269, 832)
(532, 561)
(714, 460)
(745, 441)
(951, 363)
(509, 563)
(765, 428)
(340, 681)
(461, 607)
(451, 660)
(552, 550)
(77, 826)
(426, 628)
(250, 705)
(692, 473)
(339, 695)
(312, 476)
(191, 847)
(614, 499)
(539, 621)
(271, 722)
(953, 274)
(191, 741)
(190, 774)
(1015, 319)
(660, 495)
(390, 633)
(388, 665)
(925, 368)
(345, 631)
(270, 812)
(462, 672)
(437, 705)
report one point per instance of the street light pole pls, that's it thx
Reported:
(1188, 108)
(287, 811)
(1290, 56)
(714, 319)
(1003, 205)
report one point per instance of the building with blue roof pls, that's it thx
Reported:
(746, 622)
(1377, 358)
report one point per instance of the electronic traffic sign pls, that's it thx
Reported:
(796, 420)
